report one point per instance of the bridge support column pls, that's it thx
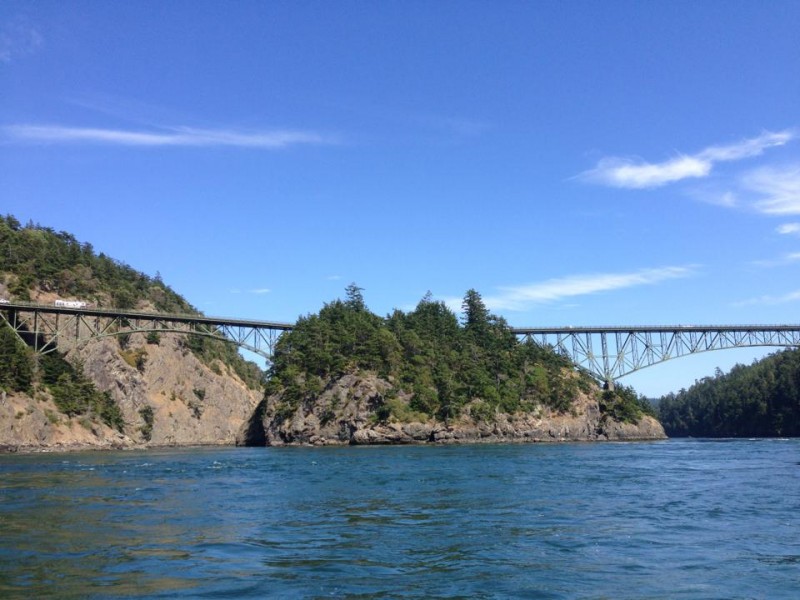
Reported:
(609, 385)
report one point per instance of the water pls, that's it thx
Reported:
(675, 519)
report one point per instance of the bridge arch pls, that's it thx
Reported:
(261, 351)
(606, 353)
(611, 353)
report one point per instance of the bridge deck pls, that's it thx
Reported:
(652, 329)
(608, 353)
(132, 314)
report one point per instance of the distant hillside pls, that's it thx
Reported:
(37, 262)
(158, 388)
(760, 400)
(346, 375)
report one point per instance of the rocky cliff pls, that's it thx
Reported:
(171, 399)
(348, 411)
(166, 394)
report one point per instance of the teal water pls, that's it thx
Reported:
(673, 519)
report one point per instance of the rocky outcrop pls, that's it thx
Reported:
(191, 402)
(29, 424)
(346, 413)
(169, 398)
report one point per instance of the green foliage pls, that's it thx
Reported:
(623, 404)
(109, 411)
(153, 338)
(136, 358)
(16, 363)
(761, 400)
(397, 410)
(148, 418)
(427, 354)
(52, 366)
(74, 394)
(41, 257)
(33, 256)
(482, 411)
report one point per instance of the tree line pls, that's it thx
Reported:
(760, 400)
(37, 257)
(441, 363)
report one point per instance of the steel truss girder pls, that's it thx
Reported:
(612, 353)
(608, 353)
(42, 328)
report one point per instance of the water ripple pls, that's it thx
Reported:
(678, 519)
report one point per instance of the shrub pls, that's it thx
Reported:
(148, 418)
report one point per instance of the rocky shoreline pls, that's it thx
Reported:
(329, 420)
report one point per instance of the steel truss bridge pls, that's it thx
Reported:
(41, 326)
(606, 353)
(610, 353)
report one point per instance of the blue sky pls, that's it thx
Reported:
(578, 163)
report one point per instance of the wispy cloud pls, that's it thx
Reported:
(789, 229)
(638, 174)
(771, 300)
(174, 136)
(786, 259)
(524, 297)
(18, 38)
(778, 188)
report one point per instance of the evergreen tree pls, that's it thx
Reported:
(355, 299)
(760, 400)
(443, 366)
(16, 362)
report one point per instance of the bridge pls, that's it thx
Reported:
(40, 326)
(606, 353)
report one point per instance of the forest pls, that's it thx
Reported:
(442, 363)
(760, 400)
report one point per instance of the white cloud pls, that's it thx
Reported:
(17, 39)
(779, 189)
(747, 148)
(771, 300)
(636, 174)
(789, 229)
(176, 136)
(625, 173)
(726, 199)
(261, 291)
(518, 298)
(786, 259)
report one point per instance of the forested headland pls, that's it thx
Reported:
(760, 400)
(425, 366)
(118, 382)
(344, 372)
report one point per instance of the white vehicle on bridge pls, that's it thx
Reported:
(72, 303)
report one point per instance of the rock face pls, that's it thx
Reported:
(36, 424)
(345, 413)
(189, 402)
